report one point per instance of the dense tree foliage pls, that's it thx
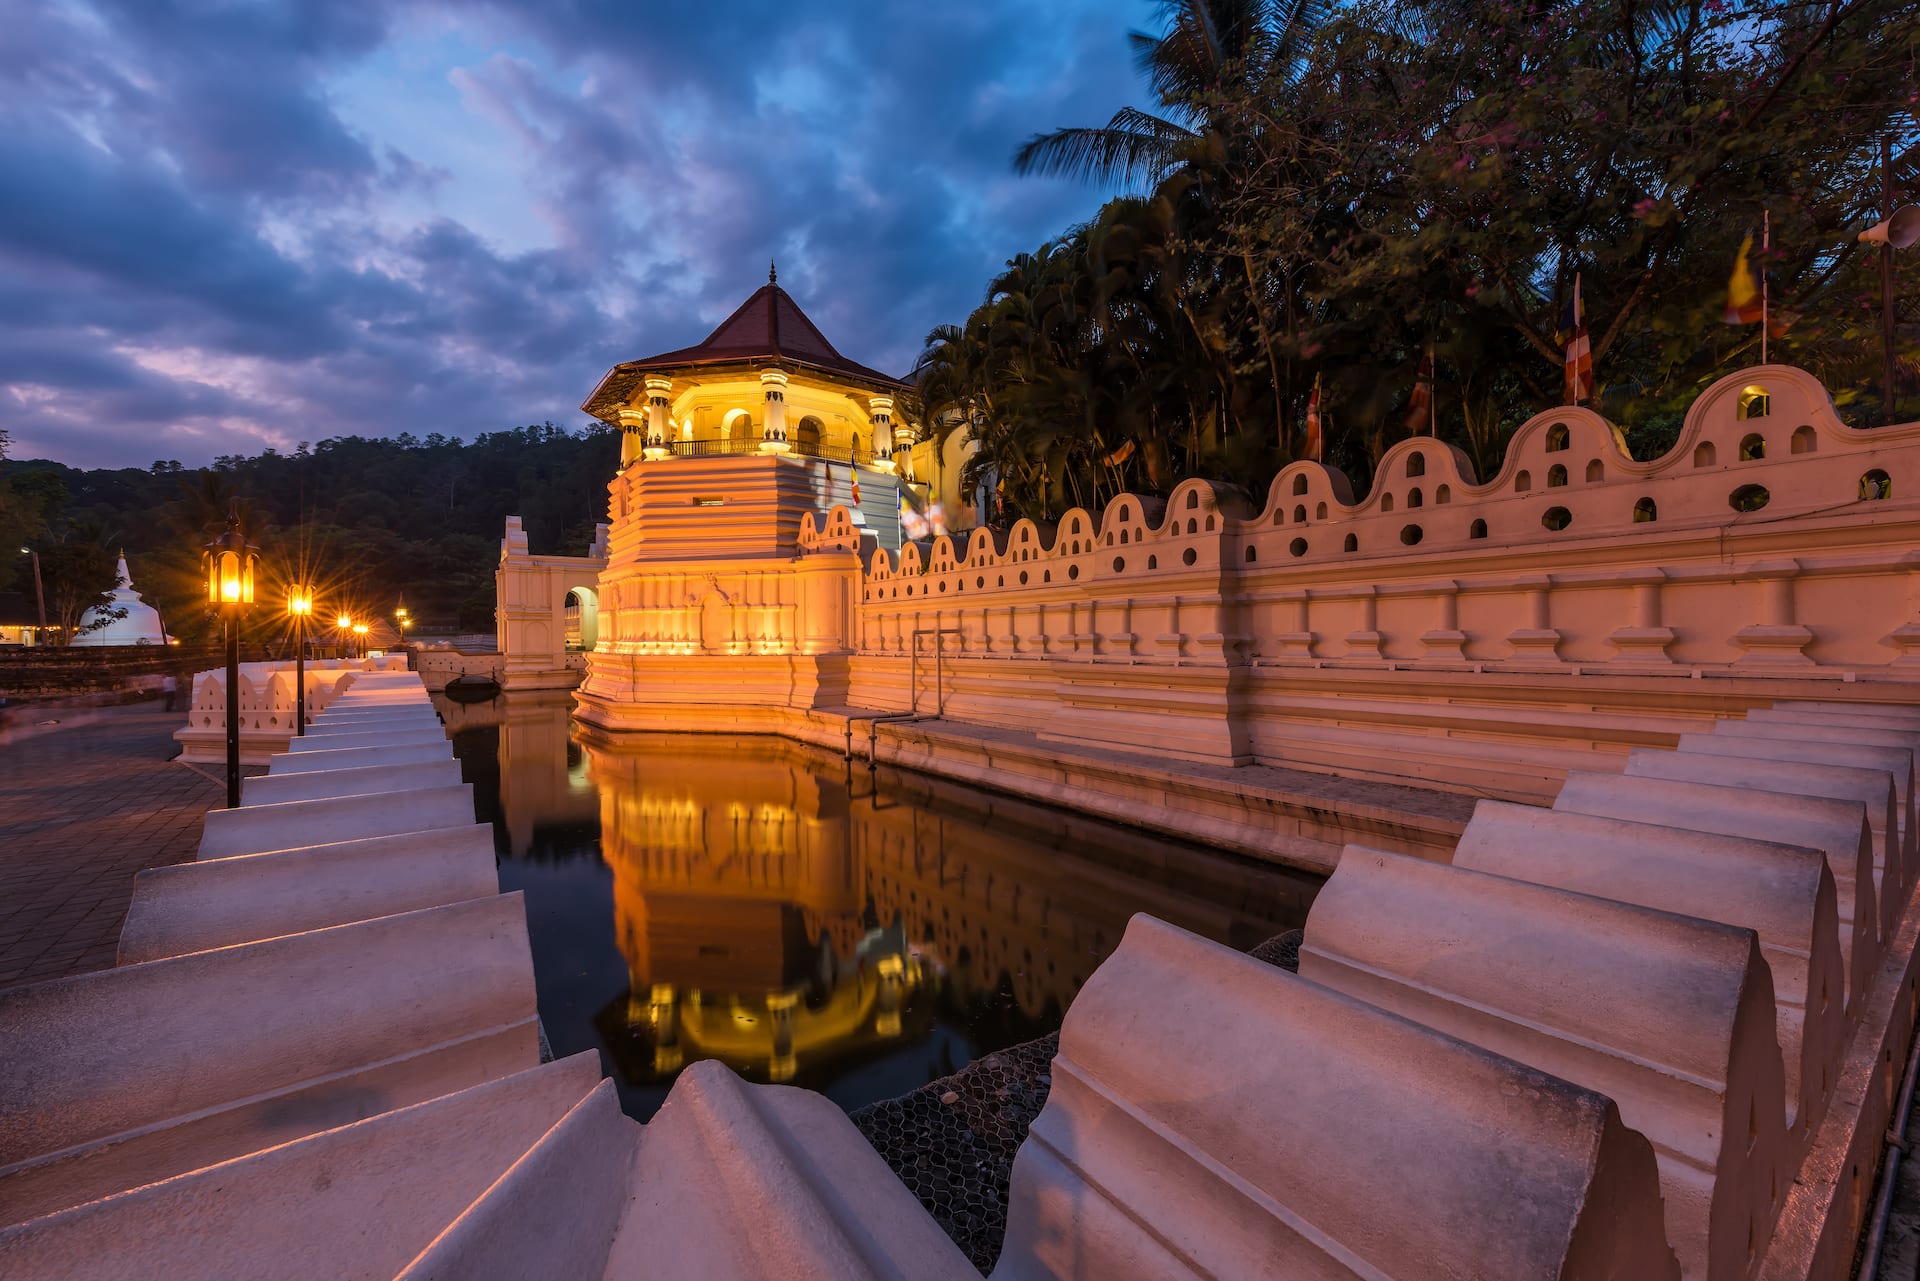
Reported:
(368, 520)
(1333, 192)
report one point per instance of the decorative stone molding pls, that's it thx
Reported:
(1670, 1017)
(1837, 829)
(1784, 893)
(1307, 1138)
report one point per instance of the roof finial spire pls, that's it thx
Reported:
(773, 273)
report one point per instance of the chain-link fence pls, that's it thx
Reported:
(952, 1141)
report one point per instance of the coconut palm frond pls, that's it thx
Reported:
(1134, 148)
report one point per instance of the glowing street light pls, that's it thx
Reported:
(39, 593)
(299, 609)
(229, 562)
(360, 639)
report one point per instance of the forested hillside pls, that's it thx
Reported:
(372, 518)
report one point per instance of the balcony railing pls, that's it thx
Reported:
(732, 448)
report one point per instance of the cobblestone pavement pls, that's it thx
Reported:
(84, 804)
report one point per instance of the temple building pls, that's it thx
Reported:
(139, 625)
(766, 381)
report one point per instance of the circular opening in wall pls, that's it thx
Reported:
(1749, 498)
(1189, 556)
(943, 587)
(980, 582)
(1298, 547)
(1073, 571)
(1023, 578)
(1410, 534)
(1875, 485)
(1119, 564)
(1556, 518)
(909, 590)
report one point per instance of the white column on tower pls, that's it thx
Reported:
(773, 434)
(658, 390)
(882, 410)
(633, 427)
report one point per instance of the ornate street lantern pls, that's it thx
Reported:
(229, 562)
(300, 609)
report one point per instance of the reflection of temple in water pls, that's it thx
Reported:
(787, 913)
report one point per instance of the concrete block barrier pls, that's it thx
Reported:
(365, 1198)
(1838, 829)
(1212, 1116)
(192, 907)
(555, 1212)
(272, 789)
(358, 757)
(369, 738)
(261, 829)
(356, 724)
(1872, 788)
(1778, 741)
(825, 1205)
(126, 1076)
(1783, 893)
(1671, 1017)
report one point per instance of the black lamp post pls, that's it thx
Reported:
(229, 562)
(299, 609)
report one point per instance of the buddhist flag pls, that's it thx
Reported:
(1316, 441)
(853, 474)
(1743, 291)
(1120, 455)
(1579, 352)
(1420, 404)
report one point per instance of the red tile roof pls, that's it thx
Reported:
(768, 328)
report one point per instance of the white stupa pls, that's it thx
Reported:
(141, 626)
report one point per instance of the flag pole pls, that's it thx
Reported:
(1766, 241)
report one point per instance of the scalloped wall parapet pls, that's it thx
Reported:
(1567, 474)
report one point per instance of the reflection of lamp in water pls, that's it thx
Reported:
(663, 1025)
(783, 1064)
(892, 971)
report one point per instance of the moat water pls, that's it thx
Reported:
(806, 919)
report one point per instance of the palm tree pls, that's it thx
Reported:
(1211, 49)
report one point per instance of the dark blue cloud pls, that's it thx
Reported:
(225, 226)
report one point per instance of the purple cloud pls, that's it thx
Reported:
(228, 227)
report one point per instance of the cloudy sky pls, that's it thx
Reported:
(233, 224)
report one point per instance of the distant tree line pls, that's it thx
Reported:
(367, 519)
(1343, 193)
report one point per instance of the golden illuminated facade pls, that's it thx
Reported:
(784, 912)
(765, 381)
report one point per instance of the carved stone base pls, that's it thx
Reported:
(1536, 644)
(1642, 644)
(1365, 644)
(1774, 646)
(1906, 639)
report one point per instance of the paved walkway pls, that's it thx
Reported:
(85, 804)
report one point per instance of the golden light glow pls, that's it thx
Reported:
(344, 622)
(359, 629)
(299, 602)
(229, 564)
